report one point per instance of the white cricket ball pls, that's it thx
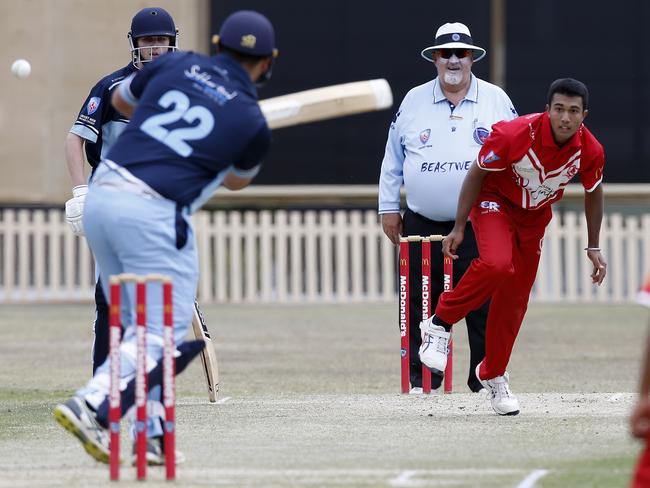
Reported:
(21, 68)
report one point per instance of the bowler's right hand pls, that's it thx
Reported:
(452, 241)
(392, 225)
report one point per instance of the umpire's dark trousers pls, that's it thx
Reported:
(416, 224)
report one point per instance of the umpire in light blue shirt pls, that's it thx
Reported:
(432, 141)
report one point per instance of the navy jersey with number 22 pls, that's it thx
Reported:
(196, 119)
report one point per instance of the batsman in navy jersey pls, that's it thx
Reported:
(195, 125)
(98, 126)
(197, 121)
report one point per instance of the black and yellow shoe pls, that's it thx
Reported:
(77, 418)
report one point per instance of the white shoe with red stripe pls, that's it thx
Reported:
(435, 346)
(502, 400)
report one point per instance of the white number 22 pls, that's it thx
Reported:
(176, 138)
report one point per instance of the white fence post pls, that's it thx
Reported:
(341, 263)
(371, 252)
(326, 256)
(571, 253)
(266, 256)
(281, 238)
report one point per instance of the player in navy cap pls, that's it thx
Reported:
(195, 125)
(98, 124)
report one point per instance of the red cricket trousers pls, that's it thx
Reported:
(509, 241)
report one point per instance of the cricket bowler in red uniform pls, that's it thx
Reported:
(640, 418)
(520, 171)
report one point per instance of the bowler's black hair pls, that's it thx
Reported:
(571, 88)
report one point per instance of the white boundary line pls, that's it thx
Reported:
(616, 397)
(223, 400)
(530, 480)
(402, 479)
(406, 477)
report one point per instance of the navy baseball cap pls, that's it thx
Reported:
(248, 32)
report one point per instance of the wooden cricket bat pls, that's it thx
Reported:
(326, 103)
(208, 355)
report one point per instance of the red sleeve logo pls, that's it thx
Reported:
(490, 157)
(93, 105)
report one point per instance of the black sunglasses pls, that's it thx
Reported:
(460, 53)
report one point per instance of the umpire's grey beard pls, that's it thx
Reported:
(453, 78)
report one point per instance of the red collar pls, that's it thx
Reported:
(547, 135)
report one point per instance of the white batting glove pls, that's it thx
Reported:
(74, 209)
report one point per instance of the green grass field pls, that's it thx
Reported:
(309, 397)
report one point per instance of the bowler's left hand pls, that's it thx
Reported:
(451, 242)
(600, 266)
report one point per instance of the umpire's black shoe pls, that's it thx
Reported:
(416, 384)
(476, 387)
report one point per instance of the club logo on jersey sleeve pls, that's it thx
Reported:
(424, 136)
(93, 105)
(480, 135)
(490, 157)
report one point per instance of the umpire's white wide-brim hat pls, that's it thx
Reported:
(453, 35)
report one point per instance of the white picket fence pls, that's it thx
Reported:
(298, 256)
